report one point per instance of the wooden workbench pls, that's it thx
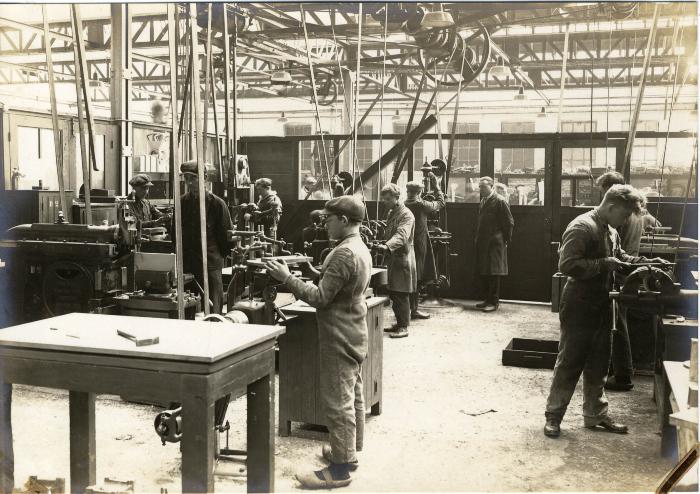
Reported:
(194, 363)
(299, 365)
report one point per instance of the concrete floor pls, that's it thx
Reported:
(454, 419)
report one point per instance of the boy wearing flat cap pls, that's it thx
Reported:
(218, 223)
(147, 216)
(269, 206)
(341, 313)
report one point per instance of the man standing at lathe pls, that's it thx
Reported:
(401, 268)
(425, 261)
(493, 232)
(341, 313)
(589, 255)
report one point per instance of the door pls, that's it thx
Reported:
(524, 168)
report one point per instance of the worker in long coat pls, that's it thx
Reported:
(341, 313)
(425, 259)
(494, 230)
(398, 244)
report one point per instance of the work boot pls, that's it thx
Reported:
(416, 314)
(327, 454)
(391, 329)
(490, 308)
(610, 426)
(619, 383)
(551, 428)
(399, 333)
(481, 305)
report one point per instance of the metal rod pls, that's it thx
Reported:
(54, 116)
(315, 96)
(81, 127)
(77, 19)
(230, 156)
(174, 158)
(640, 93)
(212, 87)
(207, 76)
(200, 152)
(562, 79)
(395, 175)
(185, 98)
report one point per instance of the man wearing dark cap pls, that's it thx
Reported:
(147, 216)
(269, 206)
(218, 223)
(341, 313)
(422, 209)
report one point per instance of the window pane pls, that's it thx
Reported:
(521, 171)
(646, 174)
(579, 173)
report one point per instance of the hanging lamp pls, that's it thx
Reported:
(521, 96)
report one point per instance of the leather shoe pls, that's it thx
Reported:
(610, 426)
(391, 329)
(618, 383)
(481, 305)
(419, 315)
(490, 308)
(551, 428)
(399, 333)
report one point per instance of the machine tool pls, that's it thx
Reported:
(68, 267)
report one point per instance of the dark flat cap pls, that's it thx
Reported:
(140, 179)
(349, 206)
(191, 167)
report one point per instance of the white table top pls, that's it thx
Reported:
(179, 340)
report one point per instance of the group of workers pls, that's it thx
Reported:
(593, 248)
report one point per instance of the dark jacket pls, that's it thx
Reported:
(586, 241)
(494, 230)
(401, 269)
(146, 214)
(218, 223)
(339, 298)
(425, 261)
(270, 213)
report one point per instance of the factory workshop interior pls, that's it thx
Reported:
(370, 247)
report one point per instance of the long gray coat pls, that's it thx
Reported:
(494, 229)
(398, 234)
(425, 260)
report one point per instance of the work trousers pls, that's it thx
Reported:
(622, 349)
(492, 287)
(216, 289)
(401, 304)
(585, 347)
(413, 298)
(341, 392)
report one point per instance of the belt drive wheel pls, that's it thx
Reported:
(66, 287)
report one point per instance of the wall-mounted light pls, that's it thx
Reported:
(521, 94)
(396, 116)
(542, 113)
(282, 118)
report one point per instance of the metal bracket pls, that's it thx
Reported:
(127, 151)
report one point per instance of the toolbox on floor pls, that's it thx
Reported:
(524, 352)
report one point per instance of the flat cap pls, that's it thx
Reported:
(140, 179)
(191, 167)
(414, 185)
(350, 206)
(264, 182)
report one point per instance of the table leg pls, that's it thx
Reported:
(198, 438)
(261, 435)
(7, 458)
(82, 440)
